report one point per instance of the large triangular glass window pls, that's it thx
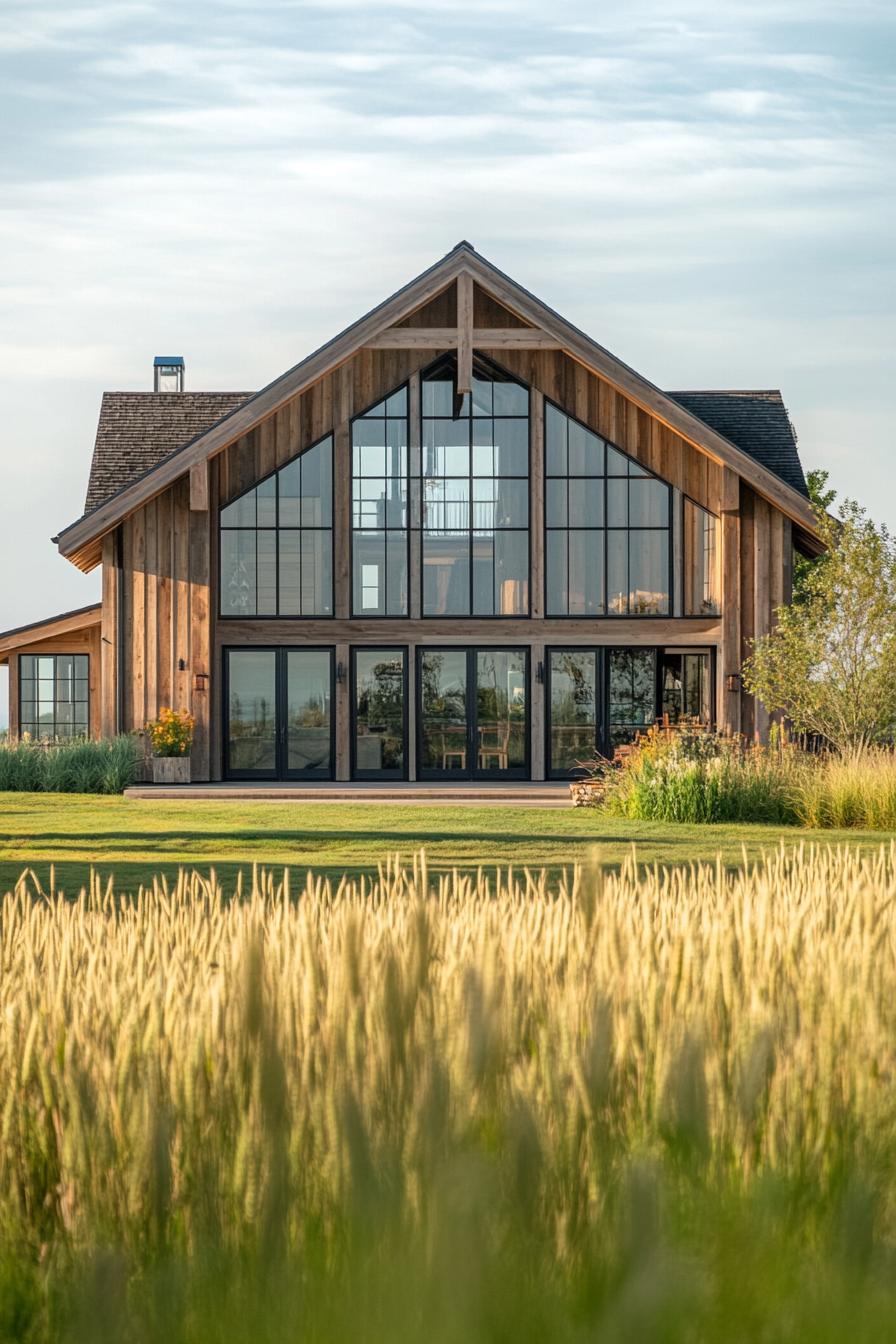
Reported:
(277, 541)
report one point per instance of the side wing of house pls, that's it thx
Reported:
(464, 486)
(54, 676)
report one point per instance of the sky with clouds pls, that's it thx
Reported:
(706, 188)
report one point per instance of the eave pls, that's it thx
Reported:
(81, 541)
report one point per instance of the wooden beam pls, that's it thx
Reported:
(199, 486)
(464, 333)
(484, 338)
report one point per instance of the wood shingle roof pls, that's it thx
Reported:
(138, 430)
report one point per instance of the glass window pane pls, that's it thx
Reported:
(649, 573)
(317, 486)
(290, 573)
(484, 574)
(289, 484)
(241, 513)
(317, 573)
(379, 712)
(396, 503)
(572, 708)
(556, 583)
(369, 572)
(446, 447)
(483, 400)
(586, 501)
(251, 710)
(617, 463)
(648, 503)
(500, 503)
(701, 555)
(266, 502)
(555, 430)
(443, 711)
(438, 396)
(446, 574)
(586, 451)
(397, 404)
(396, 573)
(512, 573)
(511, 447)
(617, 503)
(511, 399)
(483, 448)
(501, 712)
(308, 710)
(238, 574)
(697, 702)
(267, 573)
(27, 666)
(617, 573)
(632, 692)
(586, 573)
(555, 502)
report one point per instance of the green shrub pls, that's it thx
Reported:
(694, 776)
(79, 766)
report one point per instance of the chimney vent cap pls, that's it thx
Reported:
(176, 361)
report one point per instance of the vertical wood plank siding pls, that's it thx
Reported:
(170, 583)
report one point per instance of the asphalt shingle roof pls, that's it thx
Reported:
(757, 423)
(137, 430)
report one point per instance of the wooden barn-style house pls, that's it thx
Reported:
(461, 541)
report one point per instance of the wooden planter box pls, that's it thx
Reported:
(585, 792)
(170, 769)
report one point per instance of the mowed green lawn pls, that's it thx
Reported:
(135, 840)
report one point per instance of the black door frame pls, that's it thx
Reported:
(473, 772)
(281, 770)
(354, 650)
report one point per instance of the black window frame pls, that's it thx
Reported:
(362, 415)
(280, 772)
(365, 774)
(29, 725)
(473, 773)
(489, 367)
(642, 473)
(276, 529)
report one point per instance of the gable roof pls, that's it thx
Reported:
(80, 541)
(757, 423)
(49, 628)
(138, 430)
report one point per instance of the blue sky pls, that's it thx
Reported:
(707, 189)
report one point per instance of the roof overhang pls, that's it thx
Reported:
(81, 541)
(52, 627)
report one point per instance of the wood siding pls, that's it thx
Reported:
(168, 584)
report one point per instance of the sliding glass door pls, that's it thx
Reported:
(278, 713)
(473, 713)
(574, 721)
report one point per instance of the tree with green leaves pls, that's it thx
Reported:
(830, 663)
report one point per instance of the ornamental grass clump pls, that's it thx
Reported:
(80, 765)
(690, 775)
(171, 734)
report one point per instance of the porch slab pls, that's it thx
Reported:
(553, 793)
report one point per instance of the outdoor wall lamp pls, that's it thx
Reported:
(200, 681)
(340, 673)
(732, 681)
(539, 671)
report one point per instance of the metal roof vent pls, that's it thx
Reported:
(168, 373)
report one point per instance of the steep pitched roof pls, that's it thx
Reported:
(138, 430)
(80, 540)
(756, 422)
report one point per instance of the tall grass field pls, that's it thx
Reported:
(616, 1107)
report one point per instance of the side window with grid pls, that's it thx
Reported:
(54, 695)
(380, 508)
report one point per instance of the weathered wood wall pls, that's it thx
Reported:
(173, 641)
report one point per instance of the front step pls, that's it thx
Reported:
(552, 794)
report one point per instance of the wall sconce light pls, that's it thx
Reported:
(181, 664)
(732, 681)
(200, 681)
(539, 672)
(340, 673)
